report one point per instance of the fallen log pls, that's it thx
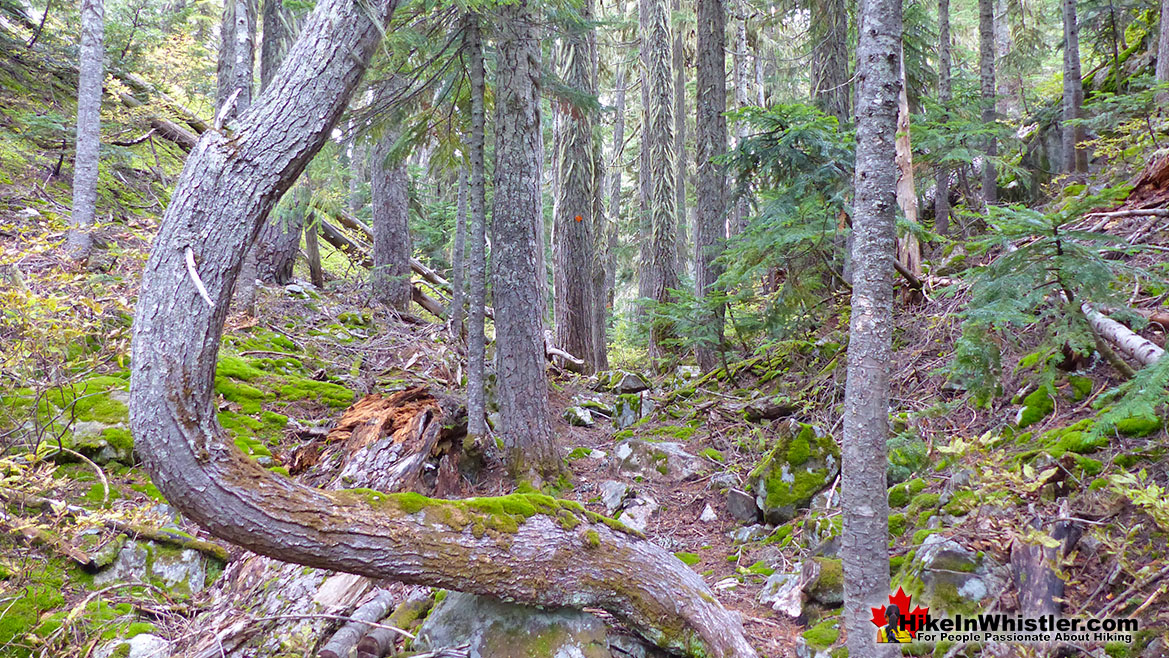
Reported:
(345, 639)
(142, 86)
(165, 128)
(1134, 346)
(407, 616)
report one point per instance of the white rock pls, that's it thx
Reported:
(708, 514)
(143, 645)
(783, 593)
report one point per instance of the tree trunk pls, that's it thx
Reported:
(538, 551)
(679, 64)
(236, 70)
(830, 84)
(279, 31)
(279, 240)
(987, 86)
(908, 246)
(312, 250)
(1008, 102)
(476, 340)
(458, 262)
(1162, 69)
(711, 199)
(390, 277)
(85, 167)
(615, 179)
(737, 220)
(657, 90)
(573, 208)
(1075, 159)
(517, 268)
(942, 196)
(864, 548)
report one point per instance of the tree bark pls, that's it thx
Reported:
(1135, 346)
(279, 240)
(737, 220)
(657, 89)
(390, 277)
(312, 250)
(1162, 68)
(908, 246)
(616, 171)
(85, 168)
(279, 31)
(458, 262)
(711, 197)
(945, 95)
(236, 70)
(543, 552)
(864, 548)
(1075, 159)
(517, 266)
(476, 340)
(986, 62)
(830, 85)
(679, 64)
(573, 208)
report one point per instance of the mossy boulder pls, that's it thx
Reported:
(181, 571)
(802, 461)
(102, 443)
(618, 381)
(142, 645)
(950, 578)
(655, 460)
(1036, 406)
(494, 628)
(823, 580)
(630, 408)
(1139, 425)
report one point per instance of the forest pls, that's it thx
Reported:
(584, 328)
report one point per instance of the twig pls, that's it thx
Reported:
(105, 483)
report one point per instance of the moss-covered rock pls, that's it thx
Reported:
(655, 460)
(801, 462)
(1139, 425)
(1036, 406)
(900, 494)
(824, 580)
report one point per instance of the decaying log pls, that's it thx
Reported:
(408, 616)
(346, 638)
(1035, 568)
(165, 128)
(140, 85)
(1134, 346)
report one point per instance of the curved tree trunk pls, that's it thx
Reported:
(537, 550)
(85, 167)
(864, 499)
(517, 264)
(572, 215)
(711, 199)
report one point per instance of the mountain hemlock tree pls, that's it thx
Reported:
(459, 262)
(390, 276)
(235, 75)
(945, 94)
(575, 185)
(986, 62)
(616, 171)
(556, 556)
(711, 196)
(679, 64)
(85, 168)
(517, 264)
(1075, 159)
(477, 271)
(864, 499)
(657, 143)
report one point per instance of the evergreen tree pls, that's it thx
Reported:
(85, 168)
(711, 209)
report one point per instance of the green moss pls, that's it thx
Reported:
(247, 397)
(120, 438)
(897, 524)
(677, 432)
(923, 501)
(822, 635)
(1036, 406)
(800, 448)
(579, 453)
(1088, 465)
(592, 539)
(237, 367)
(689, 559)
(920, 535)
(900, 494)
(797, 485)
(961, 503)
(1138, 425)
(327, 393)
(711, 453)
(1081, 387)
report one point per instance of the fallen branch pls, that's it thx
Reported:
(1136, 347)
(409, 615)
(345, 639)
(165, 128)
(1147, 212)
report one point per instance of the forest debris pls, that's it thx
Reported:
(1137, 347)
(345, 639)
(407, 616)
(38, 536)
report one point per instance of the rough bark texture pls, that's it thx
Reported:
(1074, 159)
(711, 197)
(390, 277)
(1162, 69)
(89, 84)
(476, 341)
(236, 70)
(908, 246)
(945, 95)
(615, 178)
(279, 240)
(864, 547)
(279, 31)
(830, 85)
(987, 86)
(1010, 83)
(312, 250)
(516, 264)
(575, 191)
(542, 552)
(737, 219)
(458, 261)
(657, 143)
(679, 63)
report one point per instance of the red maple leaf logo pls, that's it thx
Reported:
(913, 620)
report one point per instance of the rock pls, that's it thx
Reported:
(724, 480)
(627, 646)
(955, 578)
(685, 373)
(183, 571)
(741, 506)
(782, 592)
(578, 417)
(655, 461)
(143, 645)
(802, 462)
(295, 289)
(823, 581)
(708, 514)
(28, 213)
(638, 513)
(630, 408)
(805, 650)
(619, 381)
(596, 406)
(770, 408)
(493, 628)
(90, 438)
(940, 552)
(749, 533)
(613, 493)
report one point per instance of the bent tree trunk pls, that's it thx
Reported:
(528, 548)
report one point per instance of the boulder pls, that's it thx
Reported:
(823, 581)
(952, 578)
(783, 593)
(749, 533)
(613, 494)
(742, 506)
(579, 417)
(143, 645)
(708, 514)
(802, 462)
(654, 460)
(770, 408)
(493, 628)
(182, 570)
(638, 512)
(619, 381)
(630, 408)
